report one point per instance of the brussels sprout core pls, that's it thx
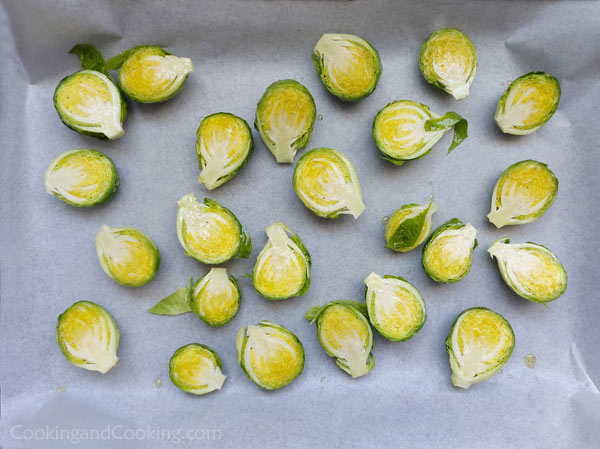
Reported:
(216, 297)
(409, 226)
(196, 369)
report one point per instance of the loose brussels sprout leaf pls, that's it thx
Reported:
(448, 255)
(127, 255)
(532, 271)
(528, 103)
(196, 369)
(224, 145)
(285, 118)
(396, 308)
(210, 232)
(88, 337)
(522, 194)
(326, 182)
(270, 355)
(480, 342)
(216, 297)
(176, 303)
(409, 226)
(82, 178)
(349, 66)
(90, 57)
(345, 334)
(447, 121)
(449, 61)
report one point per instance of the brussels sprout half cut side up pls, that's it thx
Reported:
(82, 178)
(448, 254)
(269, 354)
(480, 342)
(345, 334)
(523, 194)
(196, 369)
(448, 60)
(210, 232)
(532, 271)
(528, 103)
(282, 268)
(224, 145)
(88, 337)
(349, 66)
(327, 184)
(409, 226)
(285, 118)
(150, 74)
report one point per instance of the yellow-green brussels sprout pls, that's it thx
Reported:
(480, 342)
(269, 354)
(448, 254)
(326, 182)
(345, 334)
(449, 61)
(285, 118)
(396, 308)
(409, 226)
(150, 74)
(127, 255)
(527, 103)
(224, 145)
(349, 66)
(532, 271)
(88, 337)
(210, 232)
(82, 178)
(522, 194)
(196, 369)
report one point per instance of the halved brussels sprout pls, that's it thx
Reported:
(127, 255)
(270, 355)
(345, 334)
(150, 74)
(480, 342)
(210, 232)
(532, 271)
(449, 61)
(405, 130)
(522, 194)
(88, 101)
(349, 66)
(282, 268)
(224, 145)
(88, 337)
(527, 103)
(409, 226)
(396, 308)
(448, 254)
(82, 178)
(285, 118)
(326, 182)
(196, 369)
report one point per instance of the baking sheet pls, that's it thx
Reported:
(47, 248)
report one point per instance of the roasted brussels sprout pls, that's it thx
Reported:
(326, 182)
(196, 369)
(88, 337)
(349, 66)
(527, 103)
(270, 355)
(409, 226)
(224, 146)
(82, 178)
(448, 254)
(449, 61)
(285, 118)
(345, 334)
(532, 271)
(522, 194)
(396, 308)
(88, 101)
(150, 74)
(210, 232)
(480, 342)
(127, 255)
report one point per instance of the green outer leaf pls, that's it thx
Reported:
(409, 230)
(448, 120)
(203, 318)
(217, 360)
(90, 57)
(176, 303)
